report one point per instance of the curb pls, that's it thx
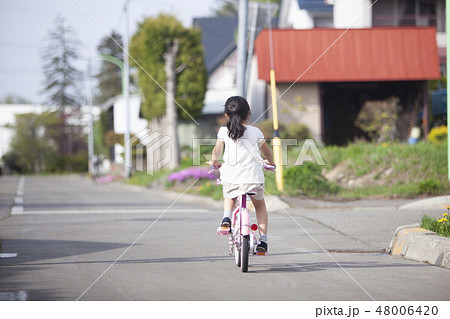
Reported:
(413, 242)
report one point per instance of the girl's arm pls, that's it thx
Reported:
(267, 152)
(217, 153)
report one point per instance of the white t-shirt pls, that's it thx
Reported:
(242, 158)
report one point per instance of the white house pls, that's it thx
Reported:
(7, 118)
(116, 107)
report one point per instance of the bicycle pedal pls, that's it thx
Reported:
(261, 253)
(223, 231)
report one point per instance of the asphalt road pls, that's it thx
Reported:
(78, 241)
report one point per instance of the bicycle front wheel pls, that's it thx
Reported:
(245, 249)
(237, 254)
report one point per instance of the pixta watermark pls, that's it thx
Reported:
(152, 151)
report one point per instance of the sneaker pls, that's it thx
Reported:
(226, 222)
(262, 247)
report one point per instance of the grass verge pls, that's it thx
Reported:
(439, 226)
(359, 170)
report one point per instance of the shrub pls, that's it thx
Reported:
(297, 131)
(429, 186)
(378, 119)
(266, 128)
(440, 227)
(307, 179)
(438, 134)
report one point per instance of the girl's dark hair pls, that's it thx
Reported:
(237, 109)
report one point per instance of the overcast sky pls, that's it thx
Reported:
(24, 25)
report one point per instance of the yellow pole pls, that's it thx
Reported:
(276, 137)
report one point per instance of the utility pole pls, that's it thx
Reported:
(241, 47)
(91, 123)
(254, 16)
(126, 91)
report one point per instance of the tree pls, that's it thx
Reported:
(61, 76)
(225, 8)
(229, 8)
(62, 81)
(173, 56)
(15, 99)
(109, 76)
(33, 143)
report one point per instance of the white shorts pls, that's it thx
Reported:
(231, 190)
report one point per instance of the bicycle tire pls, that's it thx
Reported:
(245, 249)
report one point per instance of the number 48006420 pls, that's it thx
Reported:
(404, 310)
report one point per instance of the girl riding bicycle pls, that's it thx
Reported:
(242, 171)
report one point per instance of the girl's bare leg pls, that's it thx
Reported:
(261, 215)
(229, 203)
(228, 206)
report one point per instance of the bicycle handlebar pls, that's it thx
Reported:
(265, 166)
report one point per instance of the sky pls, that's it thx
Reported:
(25, 24)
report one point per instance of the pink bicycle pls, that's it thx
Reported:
(243, 239)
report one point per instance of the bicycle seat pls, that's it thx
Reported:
(251, 193)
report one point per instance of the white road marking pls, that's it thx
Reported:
(16, 209)
(8, 255)
(107, 211)
(14, 296)
(18, 199)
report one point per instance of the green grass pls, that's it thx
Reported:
(439, 226)
(144, 179)
(414, 170)
(419, 169)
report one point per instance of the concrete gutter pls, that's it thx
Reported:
(413, 242)
(439, 202)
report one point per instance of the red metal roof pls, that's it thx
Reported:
(376, 54)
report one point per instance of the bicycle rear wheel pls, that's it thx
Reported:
(245, 249)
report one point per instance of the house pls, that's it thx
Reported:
(7, 119)
(219, 42)
(373, 51)
(325, 85)
(115, 108)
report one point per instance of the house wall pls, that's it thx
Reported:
(137, 124)
(221, 85)
(256, 93)
(352, 14)
(298, 104)
(292, 16)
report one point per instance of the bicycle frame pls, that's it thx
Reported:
(242, 232)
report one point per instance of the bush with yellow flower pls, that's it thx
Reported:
(438, 134)
(439, 226)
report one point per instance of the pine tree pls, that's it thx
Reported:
(62, 85)
(109, 76)
(62, 78)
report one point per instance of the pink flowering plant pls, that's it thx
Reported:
(191, 172)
